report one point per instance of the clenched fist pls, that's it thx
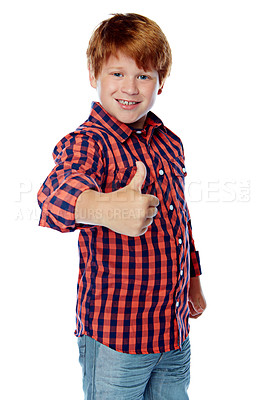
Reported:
(130, 212)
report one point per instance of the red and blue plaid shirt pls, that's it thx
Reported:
(132, 291)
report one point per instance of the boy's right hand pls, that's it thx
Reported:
(129, 212)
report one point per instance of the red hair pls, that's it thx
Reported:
(134, 35)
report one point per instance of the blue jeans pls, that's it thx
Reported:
(112, 375)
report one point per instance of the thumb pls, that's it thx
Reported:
(139, 177)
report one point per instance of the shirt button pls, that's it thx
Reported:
(138, 132)
(181, 272)
(180, 241)
(171, 207)
(177, 304)
(184, 170)
(161, 172)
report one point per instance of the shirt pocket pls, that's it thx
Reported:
(178, 171)
(178, 167)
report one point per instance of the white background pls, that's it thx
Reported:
(215, 101)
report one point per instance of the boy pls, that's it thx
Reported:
(119, 178)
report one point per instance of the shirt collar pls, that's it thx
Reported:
(122, 131)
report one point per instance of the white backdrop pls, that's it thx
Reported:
(215, 101)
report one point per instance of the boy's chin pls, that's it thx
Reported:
(135, 123)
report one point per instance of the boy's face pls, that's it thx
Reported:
(120, 82)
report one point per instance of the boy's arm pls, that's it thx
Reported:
(195, 268)
(71, 196)
(79, 167)
(196, 300)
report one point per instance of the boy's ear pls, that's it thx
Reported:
(93, 81)
(161, 89)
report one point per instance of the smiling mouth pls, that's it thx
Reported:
(127, 103)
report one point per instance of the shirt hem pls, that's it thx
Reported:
(176, 347)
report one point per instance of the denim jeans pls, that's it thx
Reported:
(112, 375)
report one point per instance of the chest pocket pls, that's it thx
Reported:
(179, 173)
(178, 167)
(123, 176)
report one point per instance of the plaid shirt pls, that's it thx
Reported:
(132, 291)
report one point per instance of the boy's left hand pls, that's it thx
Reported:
(196, 299)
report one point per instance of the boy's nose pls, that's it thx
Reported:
(129, 86)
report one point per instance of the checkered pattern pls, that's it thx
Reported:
(132, 291)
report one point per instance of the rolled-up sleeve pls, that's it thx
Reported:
(195, 267)
(79, 167)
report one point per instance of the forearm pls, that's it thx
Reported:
(126, 211)
(91, 207)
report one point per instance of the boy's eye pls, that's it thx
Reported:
(143, 77)
(117, 74)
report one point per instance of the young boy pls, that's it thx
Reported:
(119, 179)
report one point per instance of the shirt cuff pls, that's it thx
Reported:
(195, 268)
(58, 210)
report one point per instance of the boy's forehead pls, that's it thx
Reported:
(123, 60)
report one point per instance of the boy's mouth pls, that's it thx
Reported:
(127, 102)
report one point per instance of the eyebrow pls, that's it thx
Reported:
(114, 67)
(121, 68)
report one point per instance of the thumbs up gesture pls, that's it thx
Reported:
(129, 212)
